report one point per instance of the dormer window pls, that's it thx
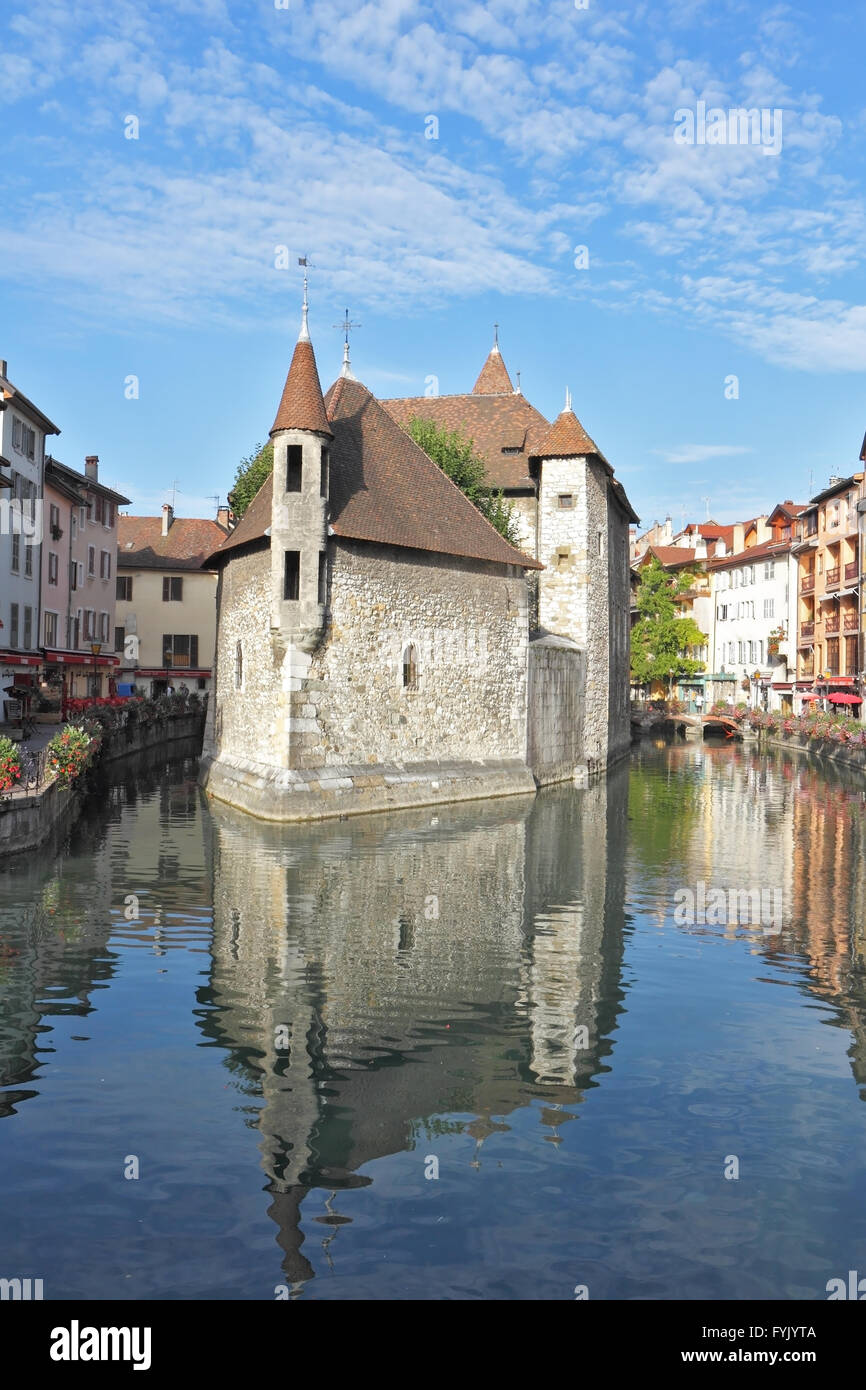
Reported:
(294, 461)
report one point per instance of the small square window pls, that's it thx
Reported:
(566, 501)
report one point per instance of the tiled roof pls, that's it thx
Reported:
(493, 379)
(765, 550)
(301, 406)
(190, 541)
(566, 438)
(671, 555)
(493, 423)
(384, 489)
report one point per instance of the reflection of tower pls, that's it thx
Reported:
(569, 864)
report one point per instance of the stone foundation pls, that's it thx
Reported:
(279, 794)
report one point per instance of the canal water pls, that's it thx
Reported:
(503, 1050)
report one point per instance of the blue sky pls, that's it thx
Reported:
(306, 127)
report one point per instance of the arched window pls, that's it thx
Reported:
(410, 667)
(239, 667)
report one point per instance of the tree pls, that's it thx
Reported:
(251, 473)
(456, 456)
(661, 639)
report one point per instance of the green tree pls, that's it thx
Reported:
(456, 456)
(661, 640)
(251, 473)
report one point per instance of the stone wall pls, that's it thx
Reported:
(336, 729)
(619, 638)
(557, 680)
(26, 822)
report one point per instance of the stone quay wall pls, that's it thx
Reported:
(26, 822)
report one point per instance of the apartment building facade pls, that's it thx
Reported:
(165, 625)
(829, 555)
(78, 582)
(23, 432)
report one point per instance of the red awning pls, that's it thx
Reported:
(80, 659)
(152, 673)
(17, 659)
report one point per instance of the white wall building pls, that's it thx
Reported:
(23, 429)
(753, 593)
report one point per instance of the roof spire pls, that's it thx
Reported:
(302, 406)
(304, 335)
(346, 326)
(568, 400)
(495, 337)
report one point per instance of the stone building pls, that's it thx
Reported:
(373, 644)
(575, 520)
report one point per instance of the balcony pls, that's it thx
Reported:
(807, 630)
(832, 624)
(807, 668)
(851, 571)
(851, 622)
(807, 584)
(833, 577)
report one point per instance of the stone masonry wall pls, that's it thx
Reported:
(619, 608)
(557, 676)
(293, 740)
(468, 623)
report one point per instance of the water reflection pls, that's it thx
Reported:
(288, 1023)
(373, 976)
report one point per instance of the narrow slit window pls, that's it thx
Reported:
(326, 463)
(239, 667)
(323, 576)
(294, 460)
(292, 581)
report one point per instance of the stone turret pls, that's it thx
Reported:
(301, 437)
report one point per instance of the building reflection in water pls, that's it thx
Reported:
(373, 976)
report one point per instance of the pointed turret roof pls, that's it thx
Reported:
(493, 379)
(566, 437)
(302, 406)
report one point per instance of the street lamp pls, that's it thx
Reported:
(95, 648)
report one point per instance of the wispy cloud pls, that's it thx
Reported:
(700, 453)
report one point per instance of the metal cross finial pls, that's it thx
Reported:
(346, 325)
(496, 335)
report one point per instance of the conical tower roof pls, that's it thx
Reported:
(566, 437)
(493, 379)
(301, 405)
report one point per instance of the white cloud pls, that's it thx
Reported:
(700, 453)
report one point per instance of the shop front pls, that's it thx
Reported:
(77, 676)
(18, 686)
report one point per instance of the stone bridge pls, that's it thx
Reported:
(692, 726)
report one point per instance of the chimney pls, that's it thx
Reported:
(3, 368)
(225, 517)
(91, 467)
(764, 532)
(167, 517)
(835, 480)
(739, 541)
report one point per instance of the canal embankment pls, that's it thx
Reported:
(29, 818)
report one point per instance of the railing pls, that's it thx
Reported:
(807, 584)
(852, 622)
(806, 630)
(833, 578)
(851, 571)
(831, 624)
(33, 769)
